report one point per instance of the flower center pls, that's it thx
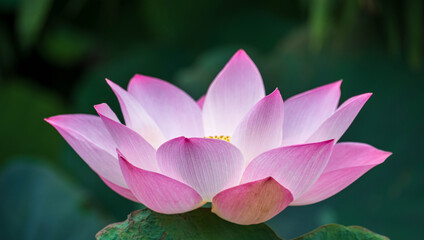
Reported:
(222, 137)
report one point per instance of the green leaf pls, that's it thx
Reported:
(7, 53)
(36, 203)
(336, 231)
(26, 105)
(198, 224)
(8, 5)
(320, 22)
(414, 32)
(31, 16)
(179, 15)
(65, 46)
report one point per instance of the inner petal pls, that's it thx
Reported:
(207, 165)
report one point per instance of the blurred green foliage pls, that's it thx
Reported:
(55, 55)
(45, 206)
(24, 105)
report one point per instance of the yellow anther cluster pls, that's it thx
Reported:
(222, 137)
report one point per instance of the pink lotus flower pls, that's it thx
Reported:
(230, 148)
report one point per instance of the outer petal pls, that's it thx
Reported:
(90, 139)
(175, 112)
(124, 192)
(136, 116)
(207, 165)
(137, 150)
(295, 167)
(348, 162)
(262, 128)
(201, 101)
(253, 202)
(339, 122)
(159, 192)
(305, 112)
(231, 95)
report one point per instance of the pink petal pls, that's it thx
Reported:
(295, 167)
(231, 95)
(136, 116)
(124, 192)
(253, 202)
(207, 165)
(201, 101)
(339, 122)
(348, 162)
(106, 111)
(305, 112)
(262, 127)
(159, 192)
(137, 150)
(175, 112)
(90, 139)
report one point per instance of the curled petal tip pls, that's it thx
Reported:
(365, 95)
(241, 51)
(386, 154)
(99, 106)
(339, 82)
(52, 120)
(241, 54)
(275, 94)
(268, 179)
(336, 84)
(182, 138)
(361, 98)
(276, 91)
(110, 82)
(140, 77)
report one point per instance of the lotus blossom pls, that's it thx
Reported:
(249, 154)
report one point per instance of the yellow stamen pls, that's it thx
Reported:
(222, 137)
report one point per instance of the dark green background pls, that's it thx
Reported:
(55, 54)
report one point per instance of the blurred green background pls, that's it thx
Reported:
(55, 55)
